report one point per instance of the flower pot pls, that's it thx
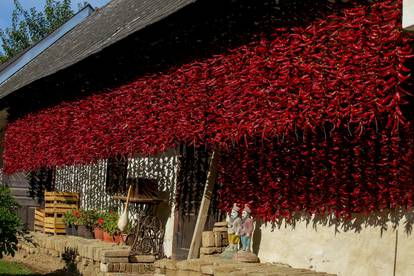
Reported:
(117, 238)
(107, 237)
(85, 232)
(71, 230)
(124, 238)
(98, 233)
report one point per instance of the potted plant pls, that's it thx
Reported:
(70, 219)
(98, 227)
(86, 224)
(126, 233)
(110, 227)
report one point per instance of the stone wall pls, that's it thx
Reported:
(89, 257)
(364, 249)
(216, 266)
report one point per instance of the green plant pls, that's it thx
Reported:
(87, 218)
(110, 223)
(71, 217)
(99, 218)
(10, 223)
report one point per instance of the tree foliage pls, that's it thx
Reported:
(29, 26)
(10, 223)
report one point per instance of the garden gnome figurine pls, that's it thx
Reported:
(233, 229)
(246, 232)
(246, 229)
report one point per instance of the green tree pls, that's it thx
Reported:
(30, 26)
(10, 224)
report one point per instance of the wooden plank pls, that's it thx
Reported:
(62, 193)
(61, 198)
(204, 206)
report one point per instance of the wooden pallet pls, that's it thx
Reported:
(50, 219)
(54, 225)
(39, 220)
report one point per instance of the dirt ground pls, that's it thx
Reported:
(42, 264)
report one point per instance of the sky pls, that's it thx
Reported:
(6, 8)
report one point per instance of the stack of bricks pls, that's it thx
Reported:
(90, 257)
(214, 242)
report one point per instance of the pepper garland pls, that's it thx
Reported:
(308, 120)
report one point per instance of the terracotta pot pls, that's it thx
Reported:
(71, 230)
(117, 238)
(124, 238)
(107, 237)
(98, 233)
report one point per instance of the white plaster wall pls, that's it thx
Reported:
(367, 253)
(408, 15)
(90, 181)
(164, 168)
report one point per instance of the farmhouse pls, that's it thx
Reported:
(307, 106)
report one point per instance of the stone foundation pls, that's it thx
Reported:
(214, 265)
(90, 257)
(214, 242)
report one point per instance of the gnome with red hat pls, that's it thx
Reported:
(246, 229)
(233, 228)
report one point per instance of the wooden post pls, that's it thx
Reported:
(204, 206)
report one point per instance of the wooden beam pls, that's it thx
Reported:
(204, 206)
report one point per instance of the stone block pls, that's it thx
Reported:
(142, 259)
(218, 239)
(224, 270)
(193, 265)
(220, 224)
(104, 267)
(220, 229)
(128, 268)
(108, 260)
(116, 253)
(115, 267)
(159, 270)
(210, 250)
(166, 264)
(207, 269)
(122, 267)
(183, 273)
(207, 239)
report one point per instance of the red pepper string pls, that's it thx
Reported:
(309, 119)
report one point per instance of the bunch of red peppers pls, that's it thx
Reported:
(307, 120)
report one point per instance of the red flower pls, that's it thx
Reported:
(76, 214)
(100, 221)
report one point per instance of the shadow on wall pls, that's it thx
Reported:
(382, 220)
(391, 219)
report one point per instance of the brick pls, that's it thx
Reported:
(207, 269)
(220, 224)
(114, 260)
(104, 267)
(210, 250)
(142, 259)
(193, 265)
(218, 239)
(166, 264)
(116, 253)
(208, 239)
(122, 267)
(220, 229)
(159, 270)
(115, 267)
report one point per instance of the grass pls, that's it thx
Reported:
(12, 268)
